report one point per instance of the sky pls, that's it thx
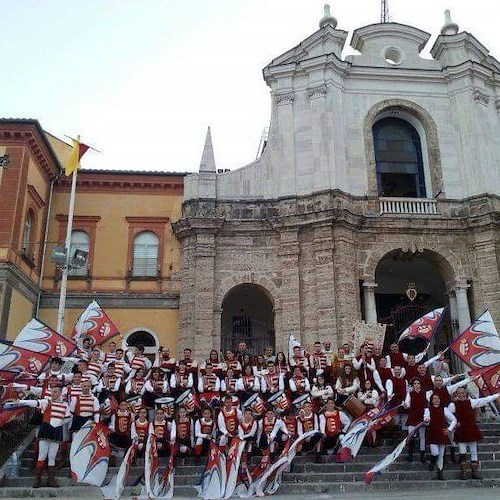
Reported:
(141, 80)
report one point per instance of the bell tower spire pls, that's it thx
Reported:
(207, 163)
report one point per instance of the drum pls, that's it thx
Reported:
(188, 400)
(167, 403)
(354, 407)
(235, 401)
(279, 402)
(135, 403)
(300, 401)
(211, 399)
(256, 404)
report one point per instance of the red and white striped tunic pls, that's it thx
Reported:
(54, 412)
(84, 406)
(138, 362)
(94, 369)
(74, 391)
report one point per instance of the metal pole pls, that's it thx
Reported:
(64, 281)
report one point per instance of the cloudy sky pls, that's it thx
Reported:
(142, 79)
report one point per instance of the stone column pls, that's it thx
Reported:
(463, 311)
(290, 284)
(369, 302)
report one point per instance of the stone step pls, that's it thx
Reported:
(400, 465)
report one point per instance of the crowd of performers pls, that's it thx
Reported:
(262, 399)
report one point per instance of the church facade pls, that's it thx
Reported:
(376, 196)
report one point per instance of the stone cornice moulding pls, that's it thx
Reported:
(91, 219)
(141, 219)
(39, 201)
(318, 92)
(480, 97)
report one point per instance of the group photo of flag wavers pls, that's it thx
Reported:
(105, 412)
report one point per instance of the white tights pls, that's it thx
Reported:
(421, 435)
(437, 450)
(462, 449)
(48, 449)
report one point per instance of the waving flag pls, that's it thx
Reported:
(116, 486)
(424, 327)
(166, 483)
(249, 481)
(213, 480)
(95, 324)
(10, 415)
(38, 337)
(380, 467)
(7, 377)
(479, 345)
(151, 468)
(73, 163)
(490, 378)
(233, 465)
(17, 359)
(89, 454)
(383, 418)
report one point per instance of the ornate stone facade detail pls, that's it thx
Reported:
(480, 97)
(317, 92)
(285, 99)
(497, 104)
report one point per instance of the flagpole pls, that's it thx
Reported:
(67, 245)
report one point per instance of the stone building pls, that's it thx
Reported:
(380, 176)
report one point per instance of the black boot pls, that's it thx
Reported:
(440, 475)
(317, 458)
(432, 461)
(411, 447)
(453, 456)
(463, 467)
(422, 457)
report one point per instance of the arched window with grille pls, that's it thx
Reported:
(80, 240)
(398, 157)
(28, 234)
(145, 256)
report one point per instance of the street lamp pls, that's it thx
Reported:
(76, 261)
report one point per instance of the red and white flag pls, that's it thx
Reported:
(166, 481)
(10, 415)
(94, 323)
(424, 327)
(233, 465)
(490, 378)
(479, 345)
(17, 359)
(116, 486)
(380, 467)
(38, 337)
(89, 454)
(213, 480)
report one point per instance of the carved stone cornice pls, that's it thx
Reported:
(285, 99)
(497, 104)
(318, 92)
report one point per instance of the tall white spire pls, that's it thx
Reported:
(449, 28)
(207, 163)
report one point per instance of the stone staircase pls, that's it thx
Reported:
(306, 477)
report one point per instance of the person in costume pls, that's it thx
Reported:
(332, 423)
(55, 411)
(298, 383)
(272, 381)
(137, 360)
(155, 387)
(83, 407)
(135, 385)
(110, 355)
(204, 429)
(181, 380)
(122, 430)
(248, 384)
(440, 422)
(368, 395)
(308, 421)
(228, 384)
(272, 431)
(182, 432)
(166, 362)
(346, 384)
(160, 426)
(396, 388)
(109, 383)
(364, 364)
(247, 430)
(142, 428)
(467, 433)
(233, 363)
(416, 403)
(228, 421)
(321, 391)
(282, 365)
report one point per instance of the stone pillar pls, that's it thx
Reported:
(463, 311)
(325, 284)
(290, 285)
(453, 314)
(369, 302)
(216, 333)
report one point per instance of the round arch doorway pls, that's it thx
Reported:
(247, 315)
(409, 286)
(144, 337)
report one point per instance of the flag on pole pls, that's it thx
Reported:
(17, 359)
(10, 415)
(116, 486)
(38, 337)
(213, 480)
(490, 376)
(73, 163)
(233, 459)
(380, 467)
(95, 324)
(479, 345)
(424, 327)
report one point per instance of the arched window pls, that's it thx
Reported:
(28, 231)
(398, 156)
(80, 240)
(145, 260)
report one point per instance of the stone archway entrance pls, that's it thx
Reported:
(398, 276)
(247, 314)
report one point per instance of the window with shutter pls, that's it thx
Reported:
(145, 257)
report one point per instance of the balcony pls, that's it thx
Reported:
(408, 206)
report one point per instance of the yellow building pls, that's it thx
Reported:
(122, 218)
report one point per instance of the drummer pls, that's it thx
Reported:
(213, 359)
(228, 384)
(232, 363)
(248, 384)
(299, 359)
(319, 361)
(347, 384)
(332, 423)
(272, 381)
(209, 382)
(154, 388)
(299, 384)
(321, 391)
(181, 379)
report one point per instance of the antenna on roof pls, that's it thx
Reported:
(384, 12)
